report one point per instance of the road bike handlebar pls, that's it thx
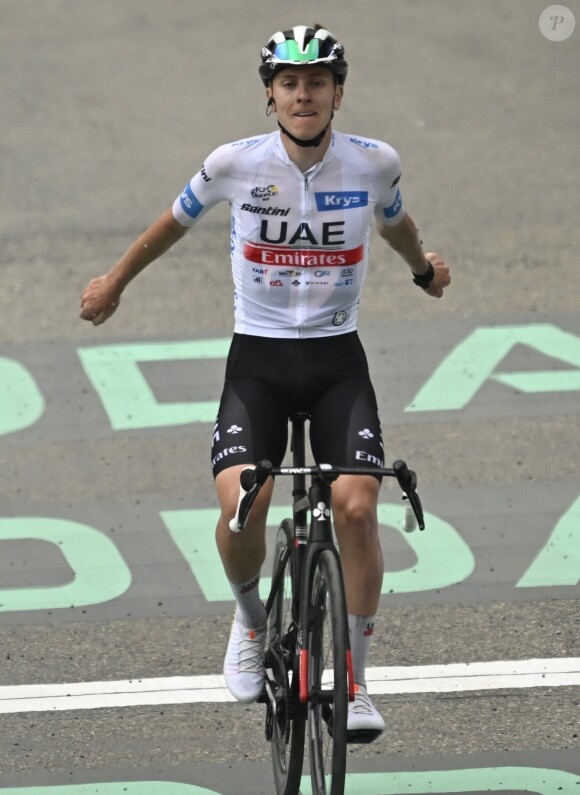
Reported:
(253, 478)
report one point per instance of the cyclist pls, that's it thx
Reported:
(302, 202)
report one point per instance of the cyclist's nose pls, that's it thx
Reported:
(302, 93)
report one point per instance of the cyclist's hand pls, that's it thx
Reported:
(441, 279)
(99, 300)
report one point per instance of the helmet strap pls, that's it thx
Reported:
(316, 141)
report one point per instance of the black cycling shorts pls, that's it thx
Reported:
(267, 380)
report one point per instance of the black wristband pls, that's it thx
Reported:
(424, 279)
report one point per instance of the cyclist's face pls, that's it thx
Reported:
(304, 98)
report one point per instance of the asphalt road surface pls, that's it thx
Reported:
(108, 571)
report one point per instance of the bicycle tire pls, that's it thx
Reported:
(288, 722)
(327, 675)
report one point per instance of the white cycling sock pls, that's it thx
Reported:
(360, 629)
(250, 607)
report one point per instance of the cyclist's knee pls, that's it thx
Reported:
(355, 503)
(227, 485)
(356, 517)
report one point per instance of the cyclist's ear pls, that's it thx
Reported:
(338, 94)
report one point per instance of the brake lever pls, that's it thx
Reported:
(407, 480)
(251, 481)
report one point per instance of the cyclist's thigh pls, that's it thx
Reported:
(346, 431)
(252, 421)
(345, 427)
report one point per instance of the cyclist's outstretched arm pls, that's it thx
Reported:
(102, 295)
(404, 239)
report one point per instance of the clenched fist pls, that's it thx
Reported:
(99, 300)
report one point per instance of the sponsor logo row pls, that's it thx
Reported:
(282, 256)
(326, 201)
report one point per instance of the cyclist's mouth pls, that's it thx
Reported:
(306, 119)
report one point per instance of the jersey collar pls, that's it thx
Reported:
(281, 152)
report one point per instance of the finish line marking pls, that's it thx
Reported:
(454, 678)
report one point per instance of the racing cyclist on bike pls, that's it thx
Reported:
(302, 201)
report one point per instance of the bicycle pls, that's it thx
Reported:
(309, 675)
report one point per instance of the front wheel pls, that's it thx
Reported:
(286, 721)
(327, 678)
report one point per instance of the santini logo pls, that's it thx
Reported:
(341, 200)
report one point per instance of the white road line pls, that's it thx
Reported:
(457, 677)
(454, 678)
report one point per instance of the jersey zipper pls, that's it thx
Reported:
(303, 300)
(305, 218)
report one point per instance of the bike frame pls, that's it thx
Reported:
(308, 544)
(310, 539)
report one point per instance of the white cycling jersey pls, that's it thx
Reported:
(299, 241)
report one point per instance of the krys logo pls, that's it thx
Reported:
(391, 212)
(341, 200)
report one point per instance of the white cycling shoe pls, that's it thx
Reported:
(364, 723)
(244, 661)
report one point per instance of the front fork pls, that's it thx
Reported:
(306, 619)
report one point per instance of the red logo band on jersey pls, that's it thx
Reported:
(284, 256)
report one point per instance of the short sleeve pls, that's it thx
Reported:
(389, 208)
(211, 185)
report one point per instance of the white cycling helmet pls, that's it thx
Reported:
(303, 46)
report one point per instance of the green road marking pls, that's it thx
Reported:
(21, 402)
(558, 563)
(444, 782)
(130, 403)
(99, 573)
(550, 381)
(193, 532)
(114, 788)
(443, 557)
(125, 394)
(464, 371)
